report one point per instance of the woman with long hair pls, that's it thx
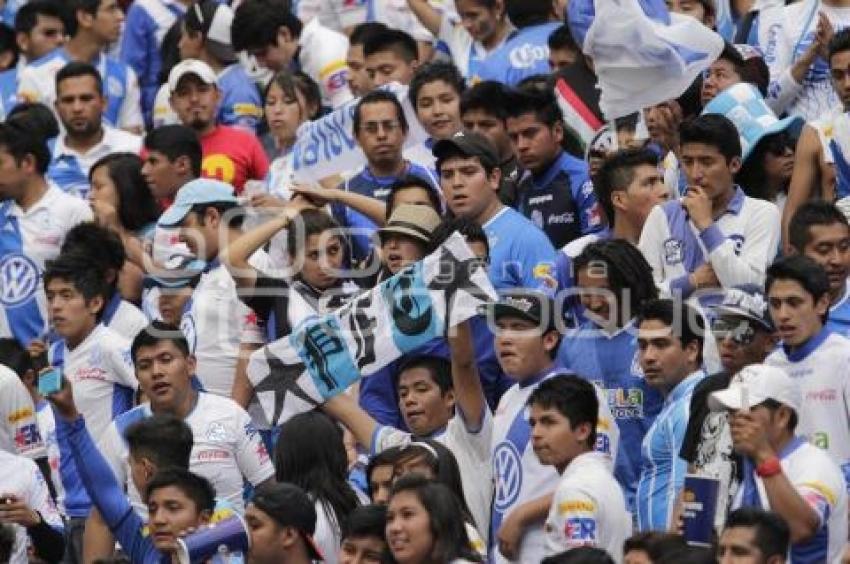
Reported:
(310, 454)
(425, 524)
(122, 202)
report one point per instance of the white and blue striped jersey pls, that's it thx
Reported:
(662, 472)
(822, 369)
(37, 83)
(739, 245)
(27, 240)
(819, 482)
(69, 169)
(104, 383)
(518, 475)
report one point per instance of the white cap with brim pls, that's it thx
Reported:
(190, 66)
(754, 385)
(198, 191)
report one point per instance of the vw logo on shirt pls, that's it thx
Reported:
(19, 279)
(507, 471)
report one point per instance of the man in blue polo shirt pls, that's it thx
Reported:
(560, 200)
(380, 129)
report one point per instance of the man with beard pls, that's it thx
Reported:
(80, 104)
(820, 231)
(230, 155)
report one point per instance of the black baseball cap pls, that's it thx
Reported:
(468, 144)
(290, 506)
(531, 305)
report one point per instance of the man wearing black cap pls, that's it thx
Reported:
(526, 343)
(282, 520)
(521, 255)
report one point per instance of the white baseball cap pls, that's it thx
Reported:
(187, 67)
(755, 384)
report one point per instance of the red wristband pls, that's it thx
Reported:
(768, 468)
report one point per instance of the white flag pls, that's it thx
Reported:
(324, 355)
(641, 62)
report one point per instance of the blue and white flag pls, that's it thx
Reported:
(643, 58)
(326, 354)
(327, 146)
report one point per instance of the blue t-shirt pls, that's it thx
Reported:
(241, 105)
(524, 54)
(521, 256)
(8, 91)
(610, 361)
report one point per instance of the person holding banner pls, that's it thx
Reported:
(783, 472)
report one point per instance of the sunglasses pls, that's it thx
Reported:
(741, 332)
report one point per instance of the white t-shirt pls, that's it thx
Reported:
(472, 452)
(226, 448)
(518, 475)
(588, 509)
(128, 320)
(101, 375)
(20, 476)
(822, 369)
(819, 482)
(18, 425)
(216, 322)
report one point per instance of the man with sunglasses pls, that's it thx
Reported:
(743, 332)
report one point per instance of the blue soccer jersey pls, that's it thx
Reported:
(524, 54)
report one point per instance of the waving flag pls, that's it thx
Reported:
(642, 55)
(324, 355)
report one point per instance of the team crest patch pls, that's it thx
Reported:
(672, 251)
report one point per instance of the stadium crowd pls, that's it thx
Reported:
(425, 281)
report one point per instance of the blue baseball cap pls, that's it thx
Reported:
(198, 191)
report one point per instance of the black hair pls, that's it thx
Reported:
(365, 521)
(310, 222)
(562, 38)
(310, 454)
(19, 141)
(689, 554)
(157, 332)
(752, 70)
(772, 535)
(37, 118)
(713, 130)
(438, 367)
(9, 43)
(169, 51)
(443, 466)
(27, 17)
(752, 178)
(76, 69)
(363, 31)
(731, 54)
(811, 213)
(542, 105)
(628, 273)
(229, 212)
(617, 173)
(528, 12)
(654, 543)
(801, 269)
(471, 231)
(256, 24)
(7, 542)
(195, 487)
(488, 96)
(839, 43)
(377, 97)
(580, 555)
(165, 440)
(433, 72)
(73, 6)
(572, 396)
(399, 42)
(137, 207)
(685, 323)
(201, 25)
(386, 457)
(413, 181)
(101, 245)
(83, 272)
(291, 82)
(448, 531)
(175, 141)
(455, 152)
(15, 356)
